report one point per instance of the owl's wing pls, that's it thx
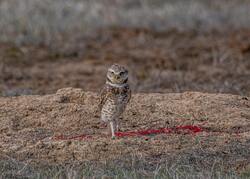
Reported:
(103, 97)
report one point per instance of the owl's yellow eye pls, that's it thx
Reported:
(121, 73)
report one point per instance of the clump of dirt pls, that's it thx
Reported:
(29, 125)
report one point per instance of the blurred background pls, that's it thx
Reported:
(168, 45)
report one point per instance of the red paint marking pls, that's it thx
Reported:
(189, 129)
(193, 129)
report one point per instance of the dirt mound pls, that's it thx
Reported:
(29, 125)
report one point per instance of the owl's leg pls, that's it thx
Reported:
(117, 127)
(117, 123)
(104, 124)
(112, 129)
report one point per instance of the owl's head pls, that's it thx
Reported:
(117, 74)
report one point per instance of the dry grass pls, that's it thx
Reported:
(169, 61)
(35, 21)
(14, 169)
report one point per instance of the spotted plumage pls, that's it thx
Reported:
(114, 96)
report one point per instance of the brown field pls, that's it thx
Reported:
(164, 62)
(189, 64)
(170, 61)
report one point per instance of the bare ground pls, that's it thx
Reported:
(29, 123)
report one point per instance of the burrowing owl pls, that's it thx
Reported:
(114, 96)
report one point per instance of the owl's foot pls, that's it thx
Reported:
(117, 128)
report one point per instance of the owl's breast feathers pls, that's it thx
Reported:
(114, 92)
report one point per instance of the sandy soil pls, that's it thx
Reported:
(30, 123)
